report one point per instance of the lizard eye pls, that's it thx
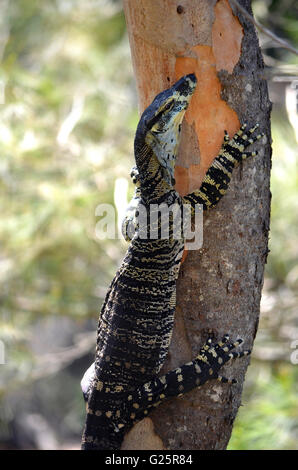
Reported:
(158, 127)
(158, 117)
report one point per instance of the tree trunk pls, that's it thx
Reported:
(219, 287)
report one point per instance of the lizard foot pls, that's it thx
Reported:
(212, 357)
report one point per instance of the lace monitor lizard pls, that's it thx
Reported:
(136, 320)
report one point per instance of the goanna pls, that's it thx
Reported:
(136, 320)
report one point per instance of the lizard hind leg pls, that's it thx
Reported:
(205, 367)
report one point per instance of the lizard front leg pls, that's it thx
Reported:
(129, 223)
(217, 178)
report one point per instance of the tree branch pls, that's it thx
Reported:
(264, 30)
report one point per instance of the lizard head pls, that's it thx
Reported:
(159, 129)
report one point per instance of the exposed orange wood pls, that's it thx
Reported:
(210, 114)
(227, 36)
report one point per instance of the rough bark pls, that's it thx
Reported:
(219, 287)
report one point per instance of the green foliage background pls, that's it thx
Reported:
(68, 112)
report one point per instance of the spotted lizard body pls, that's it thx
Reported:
(137, 316)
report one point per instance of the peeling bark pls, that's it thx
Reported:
(219, 287)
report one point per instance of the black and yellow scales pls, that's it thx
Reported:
(137, 316)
